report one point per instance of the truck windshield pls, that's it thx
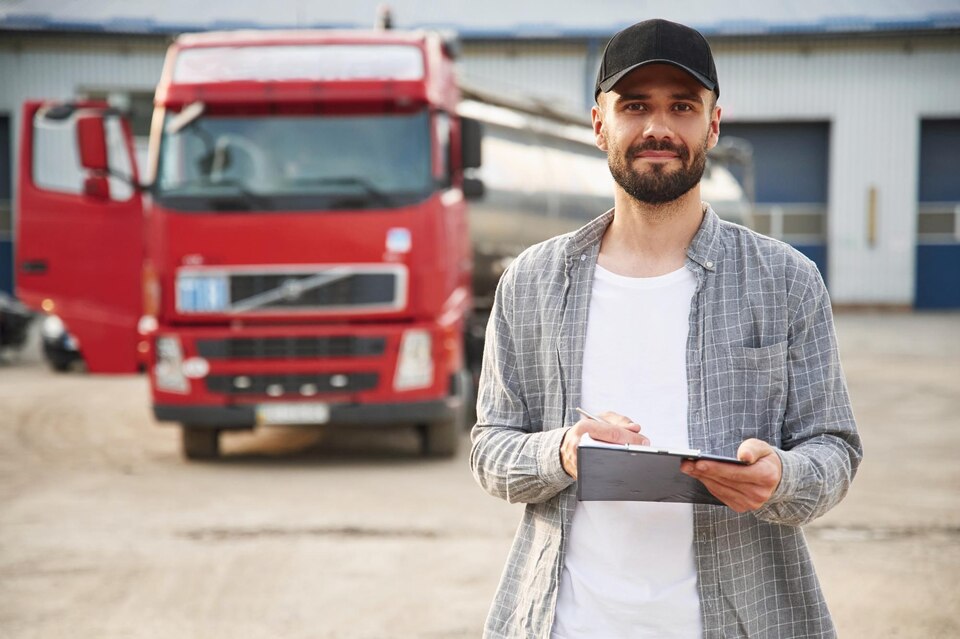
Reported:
(281, 162)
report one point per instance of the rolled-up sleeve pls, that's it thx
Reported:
(820, 449)
(511, 457)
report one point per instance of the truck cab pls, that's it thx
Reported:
(299, 253)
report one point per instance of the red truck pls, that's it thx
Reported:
(301, 252)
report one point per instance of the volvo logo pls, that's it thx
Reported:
(292, 290)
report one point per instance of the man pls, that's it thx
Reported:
(677, 329)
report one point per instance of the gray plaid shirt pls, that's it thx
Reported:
(762, 362)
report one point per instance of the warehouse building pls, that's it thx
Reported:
(851, 109)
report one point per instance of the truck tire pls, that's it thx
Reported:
(200, 443)
(441, 439)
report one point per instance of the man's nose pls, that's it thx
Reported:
(658, 127)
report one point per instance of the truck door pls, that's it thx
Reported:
(80, 228)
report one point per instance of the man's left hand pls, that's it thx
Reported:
(742, 488)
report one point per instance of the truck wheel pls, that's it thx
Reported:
(441, 439)
(200, 443)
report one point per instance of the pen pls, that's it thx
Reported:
(593, 417)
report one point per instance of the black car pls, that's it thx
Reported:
(14, 320)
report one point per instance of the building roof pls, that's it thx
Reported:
(489, 19)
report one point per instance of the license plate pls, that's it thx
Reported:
(312, 413)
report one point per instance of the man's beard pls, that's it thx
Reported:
(658, 185)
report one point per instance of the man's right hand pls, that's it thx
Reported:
(619, 430)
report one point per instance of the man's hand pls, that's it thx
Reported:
(617, 430)
(742, 488)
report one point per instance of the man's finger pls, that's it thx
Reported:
(616, 434)
(618, 420)
(721, 481)
(735, 500)
(731, 474)
(722, 471)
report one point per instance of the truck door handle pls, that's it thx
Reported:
(36, 267)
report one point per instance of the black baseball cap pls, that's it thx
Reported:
(657, 41)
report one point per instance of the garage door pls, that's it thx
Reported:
(938, 220)
(790, 164)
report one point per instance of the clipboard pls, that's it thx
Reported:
(623, 472)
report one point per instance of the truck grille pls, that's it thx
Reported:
(360, 289)
(323, 288)
(298, 385)
(290, 347)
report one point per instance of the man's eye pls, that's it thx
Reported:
(634, 106)
(683, 107)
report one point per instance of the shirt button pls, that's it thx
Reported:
(709, 264)
(583, 257)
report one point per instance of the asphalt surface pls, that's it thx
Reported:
(106, 532)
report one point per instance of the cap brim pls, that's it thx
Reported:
(609, 83)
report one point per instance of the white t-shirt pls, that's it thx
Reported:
(629, 568)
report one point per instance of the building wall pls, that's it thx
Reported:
(554, 72)
(873, 92)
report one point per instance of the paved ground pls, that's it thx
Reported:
(105, 532)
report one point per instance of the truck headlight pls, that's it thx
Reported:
(415, 363)
(168, 371)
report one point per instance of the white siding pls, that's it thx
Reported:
(874, 92)
(874, 96)
(553, 72)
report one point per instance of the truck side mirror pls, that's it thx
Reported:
(473, 188)
(97, 187)
(471, 134)
(92, 142)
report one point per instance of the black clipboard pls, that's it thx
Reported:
(618, 472)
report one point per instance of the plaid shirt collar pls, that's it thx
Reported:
(705, 249)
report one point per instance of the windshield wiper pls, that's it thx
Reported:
(250, 198)
(364, 184)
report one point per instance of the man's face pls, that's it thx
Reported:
(656, 126)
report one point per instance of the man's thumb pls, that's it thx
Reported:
(752, 450)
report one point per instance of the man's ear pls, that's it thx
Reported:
(714, 136)
(596, 116)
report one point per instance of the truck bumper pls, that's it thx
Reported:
(241, 417)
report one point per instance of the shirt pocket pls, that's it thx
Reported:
(772, 359)
(757, 391)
